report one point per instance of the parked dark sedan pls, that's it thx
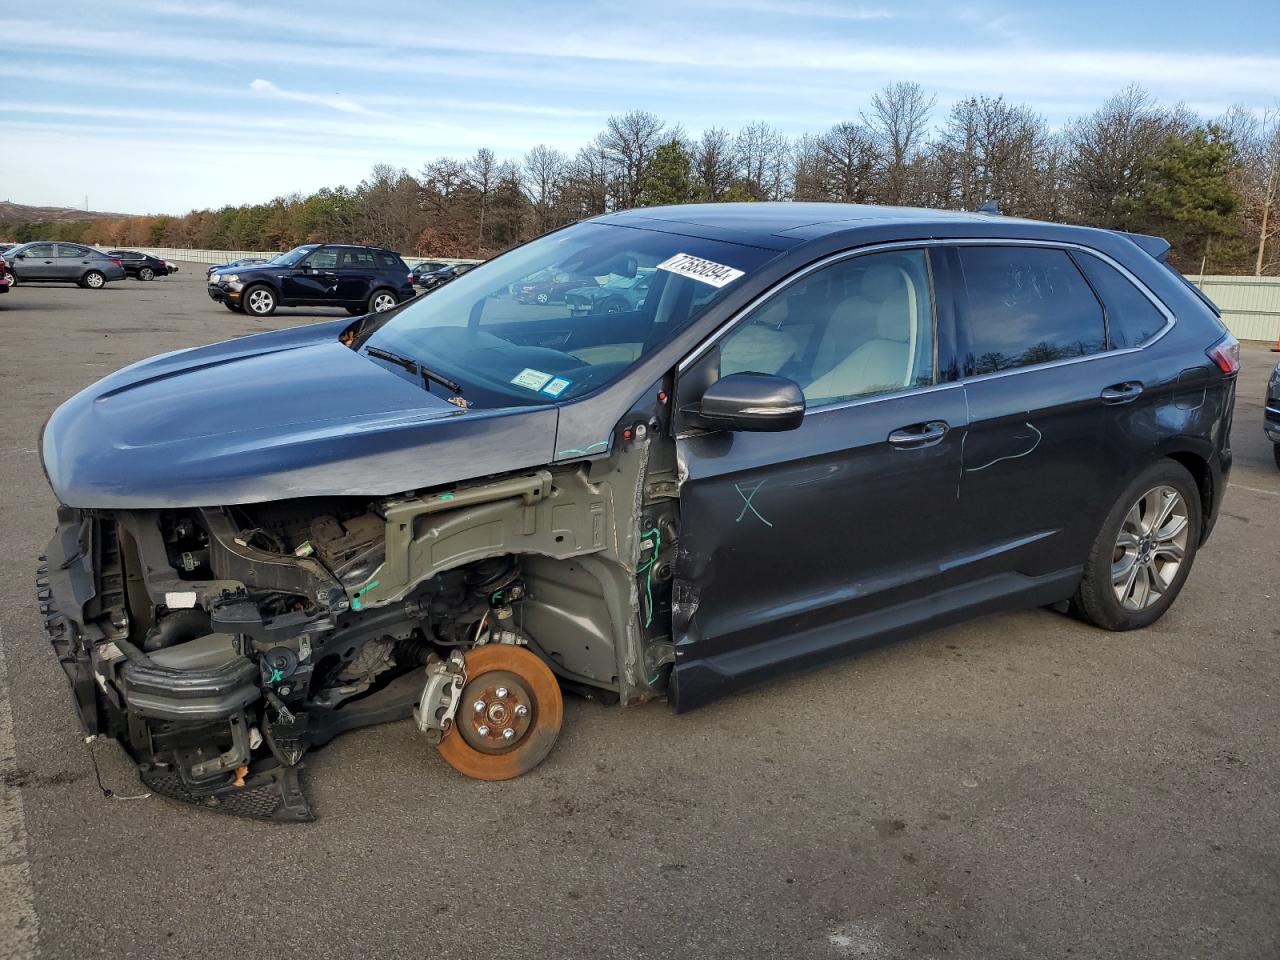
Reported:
(1271, 416)
(549, 288)
(141, 266)
(430, 279)
(242, 262)
(68, 262)
(6, 278)
(361, 279)
(824, 428)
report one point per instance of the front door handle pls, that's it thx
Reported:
(1122, 392)
(919, 434)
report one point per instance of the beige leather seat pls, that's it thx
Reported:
(760, 346)
(880, 320)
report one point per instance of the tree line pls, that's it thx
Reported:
(1209, 187)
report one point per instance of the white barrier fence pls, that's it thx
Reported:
(226, 256)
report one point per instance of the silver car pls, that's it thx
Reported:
(73, 262)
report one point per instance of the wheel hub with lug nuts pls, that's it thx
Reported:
(501, 712)
(1150, 548)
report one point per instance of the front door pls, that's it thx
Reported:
(797, 547)
(36, 263)
(314, 280)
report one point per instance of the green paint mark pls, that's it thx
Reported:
(445, 496)
(276, 675)
(355, 597)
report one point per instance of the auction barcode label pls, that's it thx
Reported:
(695, 268)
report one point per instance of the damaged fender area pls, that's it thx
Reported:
(218, 645)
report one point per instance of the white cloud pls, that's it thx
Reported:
(333, 102)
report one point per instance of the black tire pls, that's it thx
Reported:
(1096, 599)
(356, 311)
(13, 278)
(381, 300)
(146, 273)
(233, 307)
(259, 300)
(1275, 451)
(93, 280)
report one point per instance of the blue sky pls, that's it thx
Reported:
(162, 106)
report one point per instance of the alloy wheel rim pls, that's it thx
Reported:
(1150, 548)
(383, 302)
(94, 280)
(259, 301)
(146, 273)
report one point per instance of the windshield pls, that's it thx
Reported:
(519, 329)
(293, 256)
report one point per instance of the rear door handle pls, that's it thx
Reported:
(919, 434)
(1122, 392)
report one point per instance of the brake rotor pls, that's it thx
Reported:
(508, 717)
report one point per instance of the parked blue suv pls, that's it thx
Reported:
(362, 279)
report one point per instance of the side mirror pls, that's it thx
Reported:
(752, 401)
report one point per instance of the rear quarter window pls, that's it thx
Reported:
(1132, 319)
(1025, 305)
(391, 261)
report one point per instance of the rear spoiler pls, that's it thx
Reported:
(1158, 249)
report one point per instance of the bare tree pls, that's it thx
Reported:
(628, 142)
(762, 156)
(990, 148)
(897, 125)
(1105, 151)
(482, 175)
(1257, 174)
(713, 163)
(544, 169)
(850, 161)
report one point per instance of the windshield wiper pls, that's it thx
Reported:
(427, 375)
(390, 357)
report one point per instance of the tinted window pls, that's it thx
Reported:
(1026, 305)
(69, 250)
(357, 259)
(1132, 319)
(856, 328)
(391, 261)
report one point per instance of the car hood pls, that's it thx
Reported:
(292, 413)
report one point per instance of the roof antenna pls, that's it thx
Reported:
(992, 206)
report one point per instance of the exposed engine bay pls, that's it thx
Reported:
(219, 645)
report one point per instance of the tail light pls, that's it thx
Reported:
(1226, 354)
(116, 261)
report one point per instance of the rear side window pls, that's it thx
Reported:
(70, 250)
(1132, 319)
(391, 261)
(1026, 305)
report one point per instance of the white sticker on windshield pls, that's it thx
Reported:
(531, 379)
(695, 268)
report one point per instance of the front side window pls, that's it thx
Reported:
(41, 250)
(324, 259)
(1132, 319)
(564, 315)
(1025, 305)
(857, 328)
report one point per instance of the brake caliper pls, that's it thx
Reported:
(439, 701)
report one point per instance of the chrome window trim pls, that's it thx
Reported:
(746, 311)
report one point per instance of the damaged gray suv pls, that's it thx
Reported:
(819, 428)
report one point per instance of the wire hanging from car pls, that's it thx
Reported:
(107, 792)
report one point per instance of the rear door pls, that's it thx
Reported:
(1048, 447)
(71, 262)
(799, 546)
(357, 270)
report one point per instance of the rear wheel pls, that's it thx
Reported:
(146, 273)
(260, 301)
(509, 716)
(1144, 551)
(94, 280)
(381, 300)
(1275, 450)
(13, 278)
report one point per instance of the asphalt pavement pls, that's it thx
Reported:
(1022, 786)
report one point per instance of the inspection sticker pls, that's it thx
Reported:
(531, 379)
(556, 387)
(695, 268)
